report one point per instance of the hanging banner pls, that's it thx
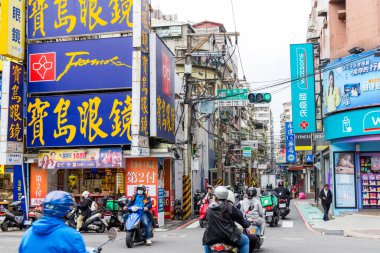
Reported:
(38, 185)
(18, 185)
(291, 155)
(80, 65)
(162, 117)
(63, 18)
(303, 88)
(303, 142)
(345, 182)
(80, 158)
(12, 29)
(79, 120)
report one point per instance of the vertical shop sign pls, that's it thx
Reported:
(18, 186)
(345, 181)
(303, 88)
(303, 142)
(38, 185)
(291, 156)
(12, 29)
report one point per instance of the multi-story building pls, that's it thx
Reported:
(286, 116)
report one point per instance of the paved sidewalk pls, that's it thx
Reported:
(355, 225)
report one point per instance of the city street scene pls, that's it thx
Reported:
(215, 126)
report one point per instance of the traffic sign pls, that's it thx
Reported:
(232, 94)
(247, 151)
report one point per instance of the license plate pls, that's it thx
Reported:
(269, 214)
(282, 205)
(27, 222)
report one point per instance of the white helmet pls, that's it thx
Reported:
(231, 197)
(85, 194)
(221, 192)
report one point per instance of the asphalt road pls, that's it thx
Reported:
(290, 236)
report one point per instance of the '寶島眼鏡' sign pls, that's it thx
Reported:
(303, 88)
(79, 120)
(102, 64)
(63, 18)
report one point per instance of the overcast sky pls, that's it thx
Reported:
(267, 27)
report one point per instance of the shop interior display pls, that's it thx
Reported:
(370, 176)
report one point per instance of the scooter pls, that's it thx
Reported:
(112, 234)
(35, 213)
(202, 213)
(284, 211)
(255, 230)
(135, 228)
(272, 216)
(113, 215)
(178, 210)
(9, 219)
(92, 223)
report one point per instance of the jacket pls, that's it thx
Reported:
(283, 192)
(50, 234)
(325, 199)
(221, 217)
(256, 208)
(85, 207)
(147, 201)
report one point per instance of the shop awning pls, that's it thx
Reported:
(299, 167)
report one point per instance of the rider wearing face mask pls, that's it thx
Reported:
(142, 199)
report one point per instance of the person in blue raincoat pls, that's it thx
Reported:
(50, 233)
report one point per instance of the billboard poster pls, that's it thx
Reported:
(303, 88)
(351, 82)
(79, 120)
(62, 18)
(345, 183)
(162, 117)
(143, 171)
(80, 65)
(291, 156)
(80, 158)
(38, 185)
(12, 29)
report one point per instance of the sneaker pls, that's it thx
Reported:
(148, 242)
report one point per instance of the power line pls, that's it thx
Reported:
(236, 40)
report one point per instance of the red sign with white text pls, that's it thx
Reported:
(42, 67)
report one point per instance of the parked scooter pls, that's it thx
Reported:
(178, 210)
(112, 212)
(92, 223)
(112, 234)
(35, 213)
(135, 228)
(12, 219)
(284, 211)
(202, 213)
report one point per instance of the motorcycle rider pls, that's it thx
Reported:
(210, 194)
(269, 191)
(50, 233)
(221, 217)
(84, 208)
(142, 199)
(253, 209)
(283, 193)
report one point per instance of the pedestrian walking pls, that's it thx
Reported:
(326, 197)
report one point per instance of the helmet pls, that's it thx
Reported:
(123, 201)
(221, 192)
(142, 187)
(281, 183)
(57, 204)
(86, 194)
(251, 192)
(209, 187)
(269, 187)
(231, 197)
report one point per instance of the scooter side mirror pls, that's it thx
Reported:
(112, 234)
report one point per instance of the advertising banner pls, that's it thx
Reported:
(352, 82)
(80, 158)
(303, 142)
(80, 65)
(143, 171)
(352, 123)
(345, 183)
(291, 156)
(79, 120)
(141, 26)
(62, 18)
(18, 185)
(303, 88)
(38, 185)
(12, 29)
(162, 117)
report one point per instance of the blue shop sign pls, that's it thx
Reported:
(80, 65)
(352, 82)
(63, 18)
(352, 123)
(291, 156)
(79, 120)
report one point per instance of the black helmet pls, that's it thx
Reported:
(141, 187)
(269, 187)
(251, 192)
(281, 183)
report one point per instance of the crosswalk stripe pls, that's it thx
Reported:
(287, 224)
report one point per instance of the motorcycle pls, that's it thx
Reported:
(14, 218)
(92, 223)
(135, 228)
(202, 213)
(284, 211)
(112, 214)
(112, 234)
(35, 213)
(198, 196)
(223, 248)
(255, 230)
(178, 210)
(272, 216)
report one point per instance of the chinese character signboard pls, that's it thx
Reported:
(352, 82)
(80, 65)
(291, 156)
(38, 185)
(79, 120)
(141, 24)
(63, 18)
(80, 158)
(303, 88)
(232, 97)
(18, 185)
(144, 96)
(12, 29)
(162, 117)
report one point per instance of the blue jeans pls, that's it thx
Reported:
(244, 245)
(145, 221)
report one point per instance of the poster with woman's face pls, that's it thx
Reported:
(344, 163)
(344, 183)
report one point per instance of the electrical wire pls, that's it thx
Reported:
(236, 42)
